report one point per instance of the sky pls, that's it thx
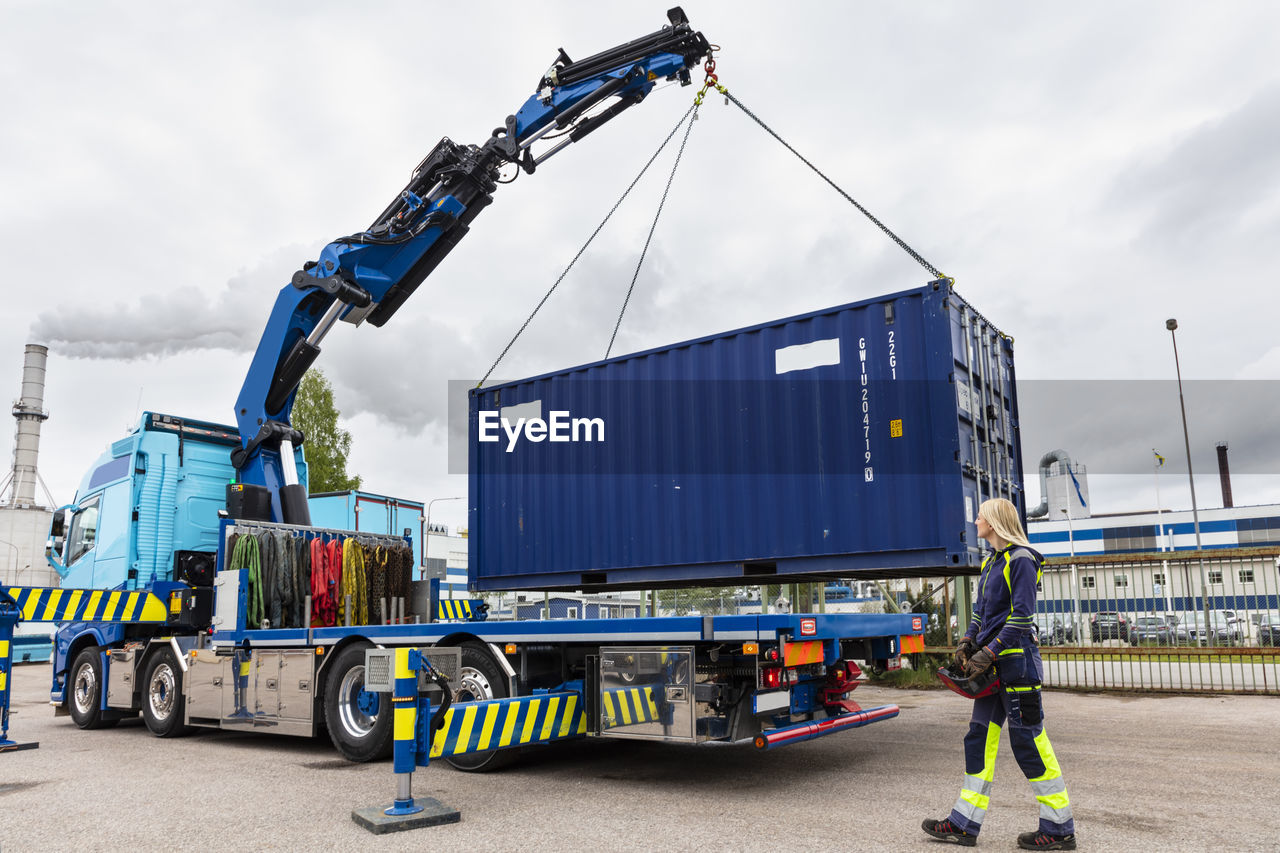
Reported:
(1083, 171)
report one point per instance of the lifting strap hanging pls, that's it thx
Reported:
(652, 227)
(599, 227)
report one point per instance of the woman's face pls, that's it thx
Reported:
(984, 529)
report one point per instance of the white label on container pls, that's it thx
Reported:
(528, 411)
(968, 508)
(962, 399)
(807, 356)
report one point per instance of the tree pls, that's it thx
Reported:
(935, 633)
(327, 444)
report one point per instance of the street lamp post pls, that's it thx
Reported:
(1076, 621)
(1172, 325)
(17, 558)
(426, 539)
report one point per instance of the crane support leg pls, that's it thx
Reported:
(9, 614)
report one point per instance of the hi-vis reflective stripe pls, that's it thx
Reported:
(627, 706)
(808, 651)
(50, 604)
(479, 726)
(907, 644)
(450, 609)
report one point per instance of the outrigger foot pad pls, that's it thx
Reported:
(434, 813)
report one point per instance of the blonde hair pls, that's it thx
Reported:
(1002, 515)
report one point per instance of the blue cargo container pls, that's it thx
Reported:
(854, 441)
(370, 513)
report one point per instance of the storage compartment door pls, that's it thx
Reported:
(647, 693)
(203, 684)
(297, 677)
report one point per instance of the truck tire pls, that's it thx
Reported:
(481, 678)
(163, 705)
(84, 691)
(356, 732)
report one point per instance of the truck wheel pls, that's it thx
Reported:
(479, 679)
(359, 723)
(163, 705)
(85, 691)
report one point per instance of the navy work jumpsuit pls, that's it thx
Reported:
(1002, 623)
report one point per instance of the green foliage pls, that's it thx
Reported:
(914, 679)
(327, 444)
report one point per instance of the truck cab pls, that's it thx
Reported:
(150, 502)
(147, 511)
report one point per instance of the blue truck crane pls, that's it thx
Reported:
(175, 606)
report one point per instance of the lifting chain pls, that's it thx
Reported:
(653, 226)
(713, 82)
(590, 239)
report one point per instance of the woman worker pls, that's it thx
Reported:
(999, 634)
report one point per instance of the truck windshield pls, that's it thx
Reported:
(84, 530)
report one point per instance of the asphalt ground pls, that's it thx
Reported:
(1143, 772)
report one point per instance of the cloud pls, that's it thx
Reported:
(1112, 425)
(1214, 181)
(181, 319)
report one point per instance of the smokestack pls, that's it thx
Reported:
(29, 412)
(1224, 474)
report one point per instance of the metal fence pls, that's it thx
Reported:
(1174, 622)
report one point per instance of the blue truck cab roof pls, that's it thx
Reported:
(152, 493)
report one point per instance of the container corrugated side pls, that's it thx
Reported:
(840, 443)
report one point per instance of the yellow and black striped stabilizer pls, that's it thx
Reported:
(451, 610)
(627, 706)
(52, 604)
(497, 723)
(4, 669)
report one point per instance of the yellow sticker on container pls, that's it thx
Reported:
(895, 428)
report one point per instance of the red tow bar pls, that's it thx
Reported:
(809, 731)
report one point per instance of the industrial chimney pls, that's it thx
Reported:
(29, 413)
(1224, 475)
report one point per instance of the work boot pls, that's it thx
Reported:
(945, 830)
(1041, 840)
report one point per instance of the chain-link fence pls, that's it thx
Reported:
(1182, 621)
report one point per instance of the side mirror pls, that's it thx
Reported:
(58, 525)
(56, 544)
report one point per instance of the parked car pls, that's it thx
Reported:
(1269, 629)
(1178, 633)
(1151, 629)
(1220, 631)
(1049, 629)
(1108, 625)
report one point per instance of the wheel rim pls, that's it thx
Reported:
(472, 686)
(86, 689)
(161, 692)
(354, 721)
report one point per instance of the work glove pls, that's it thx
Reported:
(963, 652)
(980, 662)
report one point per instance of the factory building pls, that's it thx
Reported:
(1147, 562)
